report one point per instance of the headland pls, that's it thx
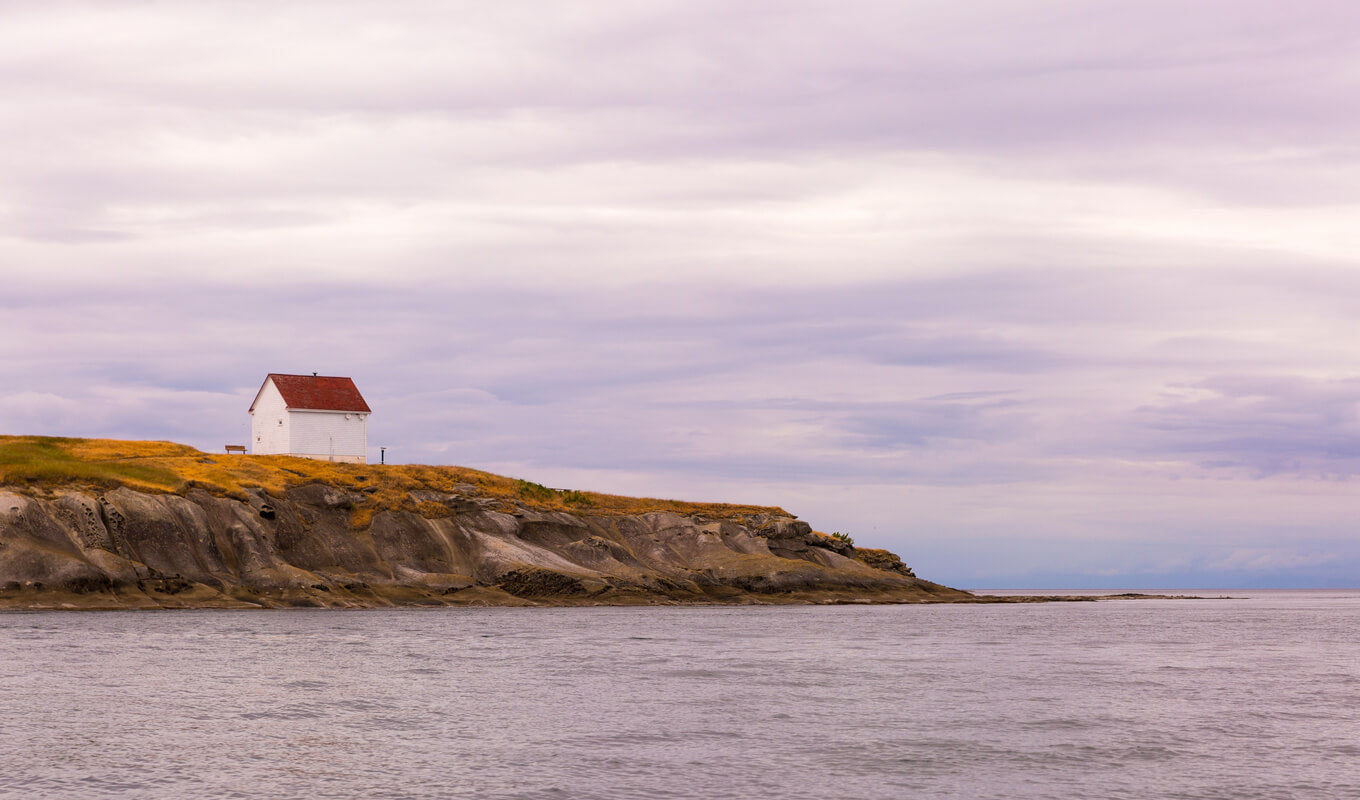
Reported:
(109, 524)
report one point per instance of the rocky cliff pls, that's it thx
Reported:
(320, 544)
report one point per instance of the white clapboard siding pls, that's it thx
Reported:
(323, 433)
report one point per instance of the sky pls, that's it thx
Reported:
(1035, 294)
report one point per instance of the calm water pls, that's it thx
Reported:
(1251, 698)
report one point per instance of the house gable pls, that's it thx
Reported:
(310, 416)
(315, 393)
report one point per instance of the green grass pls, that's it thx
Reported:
(47, 460)
(528, 490)
(574, 498)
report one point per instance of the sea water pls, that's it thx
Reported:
(1256, 697)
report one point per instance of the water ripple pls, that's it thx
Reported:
(1249, 699)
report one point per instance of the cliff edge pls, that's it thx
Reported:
(103, 524)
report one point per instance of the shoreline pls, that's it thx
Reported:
(489, 597)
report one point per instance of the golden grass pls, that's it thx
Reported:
(40, 462)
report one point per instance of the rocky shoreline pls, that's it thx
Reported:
(309, 547)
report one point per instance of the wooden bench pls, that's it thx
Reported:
(236, 448)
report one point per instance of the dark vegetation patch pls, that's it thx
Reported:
(89, 584)
(534, 582)
(171, 585)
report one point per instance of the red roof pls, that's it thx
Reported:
(318, 393)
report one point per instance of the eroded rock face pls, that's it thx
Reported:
(128, 549)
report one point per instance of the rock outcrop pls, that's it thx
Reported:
(309, 547)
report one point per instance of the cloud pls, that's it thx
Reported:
(1032, 275)
(184, 116)
(1262, 424)
(1264, 560)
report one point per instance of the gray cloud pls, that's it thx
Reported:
(185, 104)
(1264, 425)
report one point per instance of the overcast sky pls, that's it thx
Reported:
(1033, 293)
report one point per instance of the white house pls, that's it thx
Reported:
(310, 416)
